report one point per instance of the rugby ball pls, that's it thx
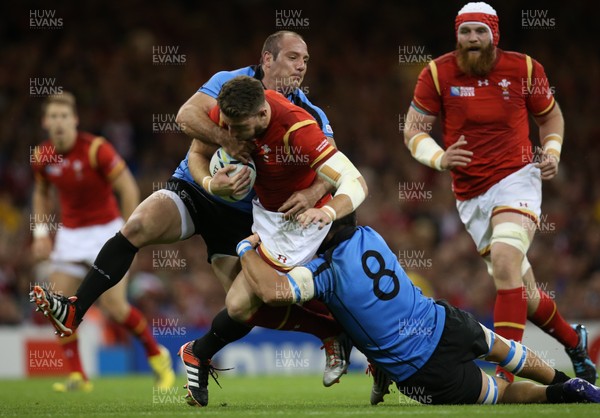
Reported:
(220, 159)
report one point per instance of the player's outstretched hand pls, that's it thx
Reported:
(456, 156)
(548, 166)
(314, 216)
(223, 185)
(299, 201)
(239, 150)
(41, 248)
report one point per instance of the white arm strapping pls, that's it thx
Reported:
(339, 171)
(302, 285)
(553, 145)
(425, 150)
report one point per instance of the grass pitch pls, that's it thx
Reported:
(294, 396)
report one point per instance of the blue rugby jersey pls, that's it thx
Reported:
(370, 295)
(213, 86)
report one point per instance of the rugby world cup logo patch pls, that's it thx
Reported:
(462, 91)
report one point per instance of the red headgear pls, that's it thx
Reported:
(480, 13)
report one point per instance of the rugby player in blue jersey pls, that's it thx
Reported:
(428, 348)
(184, 208)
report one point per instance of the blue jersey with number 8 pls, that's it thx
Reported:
(370, 295)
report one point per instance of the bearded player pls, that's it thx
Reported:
(87, 172)
(485, 96)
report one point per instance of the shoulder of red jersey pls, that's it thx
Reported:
(287, 112)
(513, 55)
(444, 64)
(90, 144)
(101, 155)
(87, 137)
(540, 95)
(426, 98)
(447, 58)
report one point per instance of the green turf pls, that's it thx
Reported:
(293, 396)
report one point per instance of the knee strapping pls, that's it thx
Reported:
(512, 234)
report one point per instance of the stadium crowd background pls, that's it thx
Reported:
(104, 51)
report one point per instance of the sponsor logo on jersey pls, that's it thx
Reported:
(322, 145)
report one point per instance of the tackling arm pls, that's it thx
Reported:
(199, 160)
(271, 287)
(194, 121)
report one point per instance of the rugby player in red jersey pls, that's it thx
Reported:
(484, 96)
(289, 152)
(87, 173)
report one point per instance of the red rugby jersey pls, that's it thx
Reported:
(287, 153)
(490, 111)
(83, 179)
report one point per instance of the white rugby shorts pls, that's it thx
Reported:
(519, 192)
(76, 246)
(284, 243)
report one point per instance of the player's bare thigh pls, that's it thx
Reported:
(241, 302)
(155, 221)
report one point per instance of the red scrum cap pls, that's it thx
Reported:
(482, 14)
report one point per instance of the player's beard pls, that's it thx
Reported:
(475, 66)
